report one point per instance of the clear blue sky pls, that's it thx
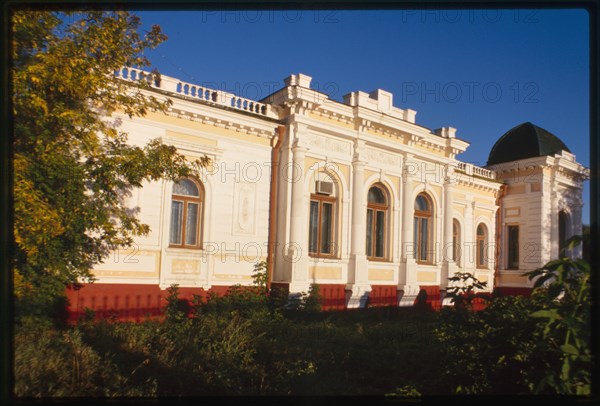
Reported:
(480, 71)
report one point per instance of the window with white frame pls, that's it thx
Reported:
(186, 214)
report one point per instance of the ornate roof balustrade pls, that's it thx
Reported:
(471, 169)
(196, 92)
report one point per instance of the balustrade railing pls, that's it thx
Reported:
(197, 92)
(471, 169)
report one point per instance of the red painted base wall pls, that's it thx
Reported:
(383, 295)
(429, 296)
(127, 302)
(334, 296)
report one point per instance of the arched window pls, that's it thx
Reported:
(322, 224)
(562, 233)
(377, 209)
(456, 241)
(423, 226)
(186, 214)
(481, 246)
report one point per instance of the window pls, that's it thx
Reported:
(513, 247)
(562, 233)
(481, 246)
(186, 213)
(321, 241)
(456, 241)
(377, 208)
(422, 228)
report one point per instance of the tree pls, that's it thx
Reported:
(73, 167)
(566, 282)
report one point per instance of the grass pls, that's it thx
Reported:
(362, 352)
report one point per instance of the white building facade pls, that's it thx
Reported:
(354, 196)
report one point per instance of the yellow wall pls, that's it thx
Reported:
(194, 125)
(483, 213)
(426, 277)
(190, 138)
(460, 208)
(321, 272)
(343, 170)
(381, 274)
(122, 257)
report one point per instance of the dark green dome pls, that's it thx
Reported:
(525, 141)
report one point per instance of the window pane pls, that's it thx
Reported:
(456, 253)
(423, 242)
(562, 232)
(191, 224)
(455, 242)
(313, 226)
(513, 247)
(326, 223)
(369, 232)
(421, 203)
(185, 187)
(376, 195)
(379, 233)
(480, 252)
(480, 230)
(176, 213)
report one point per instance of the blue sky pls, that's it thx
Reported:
(480, 71)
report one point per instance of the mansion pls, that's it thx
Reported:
(354, 196)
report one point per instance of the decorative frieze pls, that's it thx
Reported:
(327, 144)
(381, 157)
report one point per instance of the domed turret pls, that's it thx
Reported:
(525, 141)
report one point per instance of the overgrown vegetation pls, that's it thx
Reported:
(246, 342)
(73, 165)
(252, 343)
(539, 344)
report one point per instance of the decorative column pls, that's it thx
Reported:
(492, 249)
(297, 252)
(407, 281)
(358, 281)
(447, 260)
(407, 220)
(359, 210)
(469, 251)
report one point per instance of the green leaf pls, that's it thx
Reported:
(569, 349)
(549, 314)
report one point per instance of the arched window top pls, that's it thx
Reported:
(481, 230)
(186, 187)
(422, 203)
(377, 195)
(562, 216)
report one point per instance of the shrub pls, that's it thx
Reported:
(524, 345)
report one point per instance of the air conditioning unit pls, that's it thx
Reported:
(324, 188)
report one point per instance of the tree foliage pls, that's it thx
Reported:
(464, 288)
(539, 344)
(567, 322)
(73, 167)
